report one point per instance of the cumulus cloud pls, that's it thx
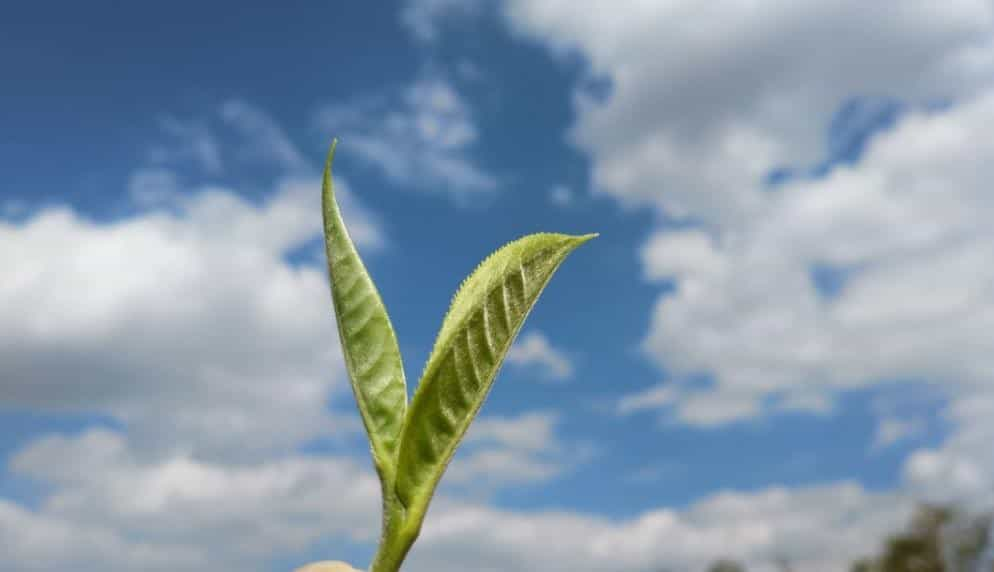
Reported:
(720, 101)
(215, 357)
(960, 470)
(114, 509)
(421, 138)
(754, 528)
(94, 322)
(188, 327)
(185, 322)
(189, 320)
(904, 228)
(786, 297)
(193, 498)
(534, 350)
(516, 450)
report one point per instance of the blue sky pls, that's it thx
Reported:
(776, 346)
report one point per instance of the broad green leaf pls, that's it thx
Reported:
(372, 356)
(482, 322)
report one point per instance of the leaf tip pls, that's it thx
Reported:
(327, 164)
(575, 241)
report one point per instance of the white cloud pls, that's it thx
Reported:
(186, 324)
(707, 408)
(683, 254)
(962, 468)
(755, 528)
(189, 320)
(905, 227)
(34, 542)
(528, 432)
(500, 451)
(732, 90)
(128, 312)
(534, 350)
(422, 140)
(488, 468)
(131, 292)
(115, 510)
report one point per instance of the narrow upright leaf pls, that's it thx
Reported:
(482, 322)
(372, 356)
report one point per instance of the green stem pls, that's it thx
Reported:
(397, 537)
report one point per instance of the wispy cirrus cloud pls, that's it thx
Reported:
(189, 140)
(261, 137)
(425, 18)
(420, 138)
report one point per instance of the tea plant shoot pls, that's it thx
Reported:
(412, 443)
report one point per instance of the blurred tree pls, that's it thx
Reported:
(964, 541)
(939, 539)
(865, 565)
(726, 566)
(920, 548)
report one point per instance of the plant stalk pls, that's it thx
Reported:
(397, 537)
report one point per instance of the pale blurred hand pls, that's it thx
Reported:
(327, 566)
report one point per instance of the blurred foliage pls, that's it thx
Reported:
(726, 566)
(938, 539)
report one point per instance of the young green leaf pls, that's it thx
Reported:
(372, 356)
(482, 322)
